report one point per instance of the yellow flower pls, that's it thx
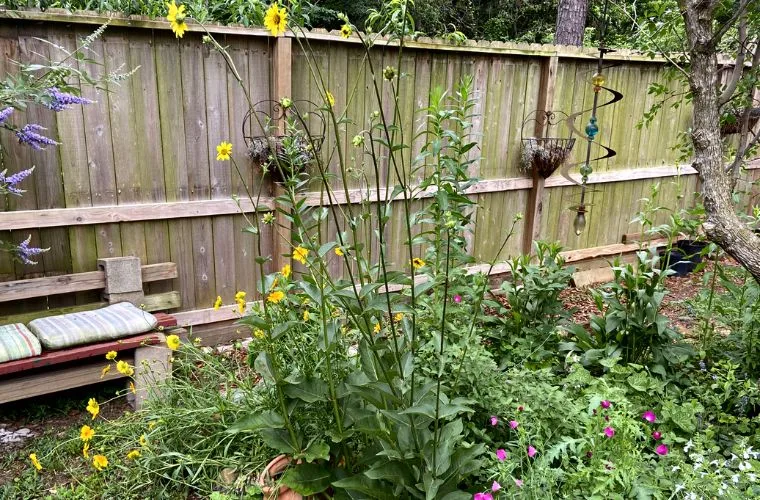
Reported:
(418, 263)
(218, 302)
(172, 342)
(345, 31)
(241, 305)
(111, 355)
(339, 251)
(105, 371)
(124, 368)
(223, 151)
(151, 425)
(300, 254)
(132, 387)
(93, 407)
(35, 462)
(86, 433)
(275, 297)
(330, 99)
(258, 333)
(398, 317)
(100, 462)
(274, 283)
(133, 454)
(377, 328)
(306, 315)
(86, 450)
(143, 440)
(286, 270)
(176, 16)
(240, 295)
(276, 19)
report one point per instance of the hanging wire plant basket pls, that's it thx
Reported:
(731, 121)
(284, 155)
(544, 155)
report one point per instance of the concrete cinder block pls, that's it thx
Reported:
(136, 298)
(153, 366)
(123, 274)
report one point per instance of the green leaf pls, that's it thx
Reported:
(263, 420)
(308, 479)
(279, 440)
(366, 486)
(310, 390)
(318, 450)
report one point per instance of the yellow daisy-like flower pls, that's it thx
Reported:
(35, 462)
(86, 433)
(223, 151)
(300, 254)
(86, 450)
(398, 317)
(276, 19)
(218, 302)
(93, 407)
(418, 263)
(306, 315)
(285, 270)
(339, 252)
(111, 355)
(106, 369)
(240, 295)
(132, 388)
(172, 342)
(124, 368)
(241, 305)
(258, 333)
(275, 296)
(377, 328)
(143, 440)
(176, 16)
(345, 31)
(133, 454)
(330, 99)
(100, 462)
(151, 425)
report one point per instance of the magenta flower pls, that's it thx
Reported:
(495, 486)
(518, 483)
(609, 432)
(482, 496)
(494, 420)
(501, 454)
(513, 424)
(531, 451)
(657, 435)
(457, 298)
(661, 450)
(649, 416)
(605, 404)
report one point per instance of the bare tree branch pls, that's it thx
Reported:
(744, 146)
(740, 10)
(736, 75)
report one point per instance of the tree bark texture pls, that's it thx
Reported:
(722, 225)
(571, 22)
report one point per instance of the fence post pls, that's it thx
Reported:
(535, 208)
(281, 87)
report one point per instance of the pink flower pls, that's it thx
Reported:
(661, 450)
(605, 404)
(513, 424)
(482, 496)
(495, 486)
(457, 298)
(531, 451)
(501, 454)
(649, 416)
(657, 435)
(518, 483)
(494, 420)
(609, 432)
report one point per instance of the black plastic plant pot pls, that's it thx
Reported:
(676, 262)
(692, 250)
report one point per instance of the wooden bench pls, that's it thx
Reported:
(121, 279)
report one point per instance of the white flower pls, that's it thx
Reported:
(698, 458)
(733, 457)
(745, 466)
(689, 445)
(747, 453)
(735, 478)
(752, 477)
(675, 468)
(715, 463)
(679, 487)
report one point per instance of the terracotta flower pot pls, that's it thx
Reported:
(268, 478)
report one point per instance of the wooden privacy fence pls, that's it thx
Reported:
(136, 173)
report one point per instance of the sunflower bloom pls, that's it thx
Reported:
(223, 151)
(176, 17)
(218, 302)
(339, 252)
(35, 462)
(330, 98)
(100, 462)
(418, 263)
(286, 271)
(172, 342)
(133, 454)
(86, 433)
(276, 19)
(376, 329)
(345, 31)
(275, 297)
(93, 407)
(106, 369)
(111, 355)
(300, 254)
(124, 368)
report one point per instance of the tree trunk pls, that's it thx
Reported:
(722, 225)
(571, 22)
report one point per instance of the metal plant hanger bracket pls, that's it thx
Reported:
(545, 154)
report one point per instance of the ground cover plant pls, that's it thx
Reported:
(444, 387)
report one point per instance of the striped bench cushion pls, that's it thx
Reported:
(17, 342)
(109, 323)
